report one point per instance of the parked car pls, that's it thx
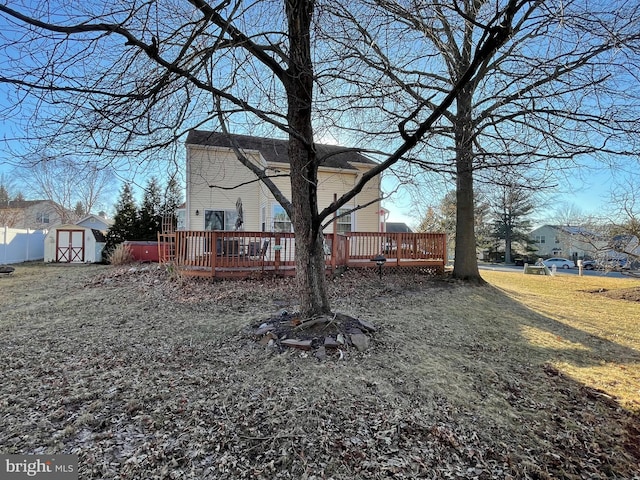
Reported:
(614, 264)
(559, 263)
(520, 261)
(589, 264)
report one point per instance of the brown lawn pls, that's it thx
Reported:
(148, 375)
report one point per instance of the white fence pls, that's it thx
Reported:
(21, 245)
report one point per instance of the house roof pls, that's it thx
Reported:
(568, 229)
(99, 236)
(21, 204)
(92, 217)
(575, 230)
(275, 150)
(398, 227)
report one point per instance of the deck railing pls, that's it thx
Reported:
(398, 248)
(230, 253)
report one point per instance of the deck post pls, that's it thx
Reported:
(443, 239)
(213, 251)
(347, 251)
(276, 249)
(181, 257)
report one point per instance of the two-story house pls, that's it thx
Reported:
(216, 180)
(33, 214)
(232, 225)
(571, 242)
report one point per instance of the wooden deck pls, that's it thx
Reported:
(227, 254)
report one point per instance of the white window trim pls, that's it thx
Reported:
(228, 220)
(351, 217)
(275, 206)
(43, 217)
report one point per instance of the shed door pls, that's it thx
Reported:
(70, 246)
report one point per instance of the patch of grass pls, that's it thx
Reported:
(587, 334)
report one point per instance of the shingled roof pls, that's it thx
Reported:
(275, 150)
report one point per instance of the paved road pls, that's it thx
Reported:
(562, 271)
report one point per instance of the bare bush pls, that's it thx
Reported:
(121, 255)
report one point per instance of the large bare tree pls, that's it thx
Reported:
(129, 78)
(68, 184)
(565, 87)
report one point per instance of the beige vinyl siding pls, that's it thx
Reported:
(369, 217)
(220, 167)
(332, 181)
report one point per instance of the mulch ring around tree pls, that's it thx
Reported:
(630, 294)
(326, 335)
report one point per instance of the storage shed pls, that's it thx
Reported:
(73, 244)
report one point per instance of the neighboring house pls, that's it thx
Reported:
(570, 242)
(95, 222)
(625, 247)
(216, 180)
(32, 214)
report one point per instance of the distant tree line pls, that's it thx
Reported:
(144, 222)
(502, 219)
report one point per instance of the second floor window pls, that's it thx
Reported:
(42, 217)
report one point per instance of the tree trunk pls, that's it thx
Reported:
(507, 239)
(466, 261)
(310, 274)
(310, 271)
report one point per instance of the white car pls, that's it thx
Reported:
(559, 263)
